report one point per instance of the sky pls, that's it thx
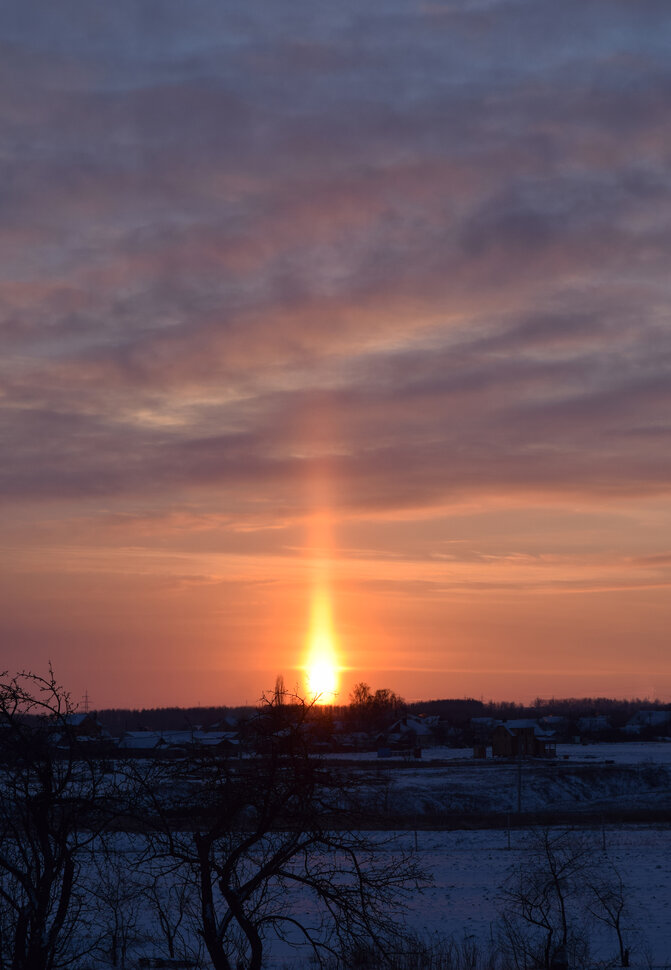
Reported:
(337, 327)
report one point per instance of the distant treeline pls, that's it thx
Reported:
(619, 711)
(117, 720)
(455, 711)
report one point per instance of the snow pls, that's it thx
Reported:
(597, 779)
(470, 868)
(625, 753)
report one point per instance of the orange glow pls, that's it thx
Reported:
(322, 672)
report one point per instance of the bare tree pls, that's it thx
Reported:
(262, 832)
(607, 902)
(280, 690)
(172, 894)
(374, 711)
(115, 891)
(542, 919)
(49, 796)
(361, 695)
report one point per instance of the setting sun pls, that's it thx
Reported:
(322, 681)
(321, 667)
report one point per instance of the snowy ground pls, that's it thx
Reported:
(469, 869)
(600, 778)
(465, 902)
(625, 753)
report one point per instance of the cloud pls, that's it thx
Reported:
(422, 252)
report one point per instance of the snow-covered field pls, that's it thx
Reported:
(464, 902)
(625, 753)
(470, 868)
(628, 753)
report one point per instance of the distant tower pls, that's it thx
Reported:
(86, 701)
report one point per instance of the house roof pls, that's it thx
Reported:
(411, 723)
(140, 739)
(650, 717)
(595, 722)
(148, 740)
(80, 718)
(522, 724)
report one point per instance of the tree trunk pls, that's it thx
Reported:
(210, 936)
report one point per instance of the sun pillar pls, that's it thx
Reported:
(322, 669)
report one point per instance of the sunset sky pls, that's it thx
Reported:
(336, 326)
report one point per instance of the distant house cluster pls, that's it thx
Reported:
(178, 741)
(537, 738)
(645, 721)
(342, 731)
(87, 731)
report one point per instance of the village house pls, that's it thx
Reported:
(594, 724)
(175, 742)
(522, 738)
(412, 731)
(85, 726)
(648, 721)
